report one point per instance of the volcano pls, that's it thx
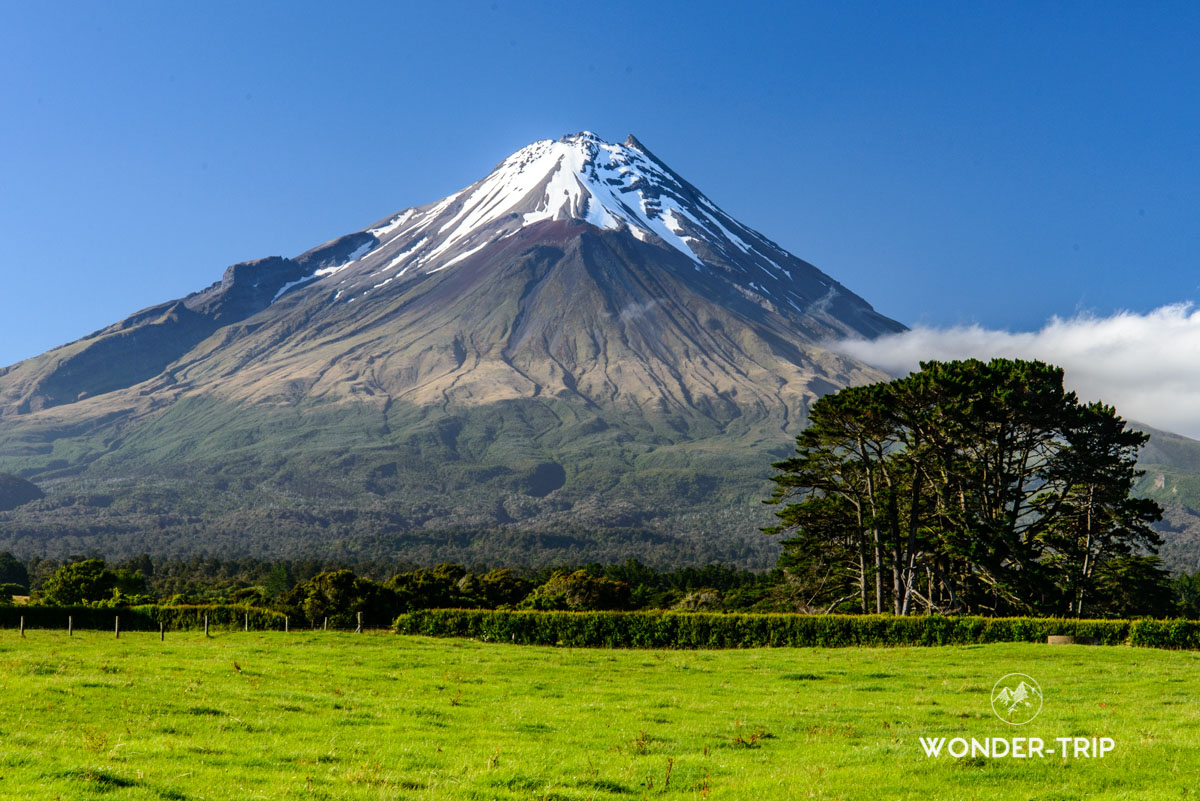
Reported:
(578, 357)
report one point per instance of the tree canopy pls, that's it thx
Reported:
(90, 581)
(965, 487)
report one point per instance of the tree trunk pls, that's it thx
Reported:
(862, 450)
(1087, 554)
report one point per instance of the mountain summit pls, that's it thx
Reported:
(578, 356)
(616, 187)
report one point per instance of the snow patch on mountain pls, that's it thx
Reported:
(283, 290)
(395, 223)
(358, 253)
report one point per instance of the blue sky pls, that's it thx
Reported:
(954, 163)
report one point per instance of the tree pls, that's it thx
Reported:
(964, 487)
(89, 582)
(578, 591)
(1132, 586)
(1099, 527)
(824, 562)
(339, 595)
(501, 588)
(447, 586)
(13, 571)
(279, 581)
(1186, 589)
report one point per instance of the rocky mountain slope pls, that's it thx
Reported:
(1171, 466)
(578, 356)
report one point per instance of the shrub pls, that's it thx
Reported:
(1165, 633)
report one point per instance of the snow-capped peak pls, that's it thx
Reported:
(579, 176)
(610, 186)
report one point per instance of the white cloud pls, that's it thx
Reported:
(636, 311)
(1146, 365)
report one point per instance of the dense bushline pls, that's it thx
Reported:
(702, 630)
(311, 591)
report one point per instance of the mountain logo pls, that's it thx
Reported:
(1016, 699)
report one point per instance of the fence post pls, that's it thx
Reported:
(162, 631)
(359, 629)
(247, 621)
(117, 626)
(70, 625)
(285, 624)
(22, 625)
(206, 625)
(325, 625)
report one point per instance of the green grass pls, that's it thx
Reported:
(339, 716)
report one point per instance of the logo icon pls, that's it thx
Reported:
(1016, 699)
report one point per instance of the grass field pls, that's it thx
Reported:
(376, 716)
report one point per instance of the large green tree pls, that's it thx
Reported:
(338, 596)
(89, 581)
(964, 487)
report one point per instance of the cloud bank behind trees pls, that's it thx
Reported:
(1146, 365)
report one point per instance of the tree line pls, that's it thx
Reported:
(313, 591)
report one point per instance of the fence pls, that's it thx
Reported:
(142, 618)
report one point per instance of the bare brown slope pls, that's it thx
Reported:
(561, 310)
(142, 345)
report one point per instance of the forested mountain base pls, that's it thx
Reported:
(518, 484)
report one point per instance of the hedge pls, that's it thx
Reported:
(1165, 634)
(701, 630)
(141, 618)
(649, 629)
